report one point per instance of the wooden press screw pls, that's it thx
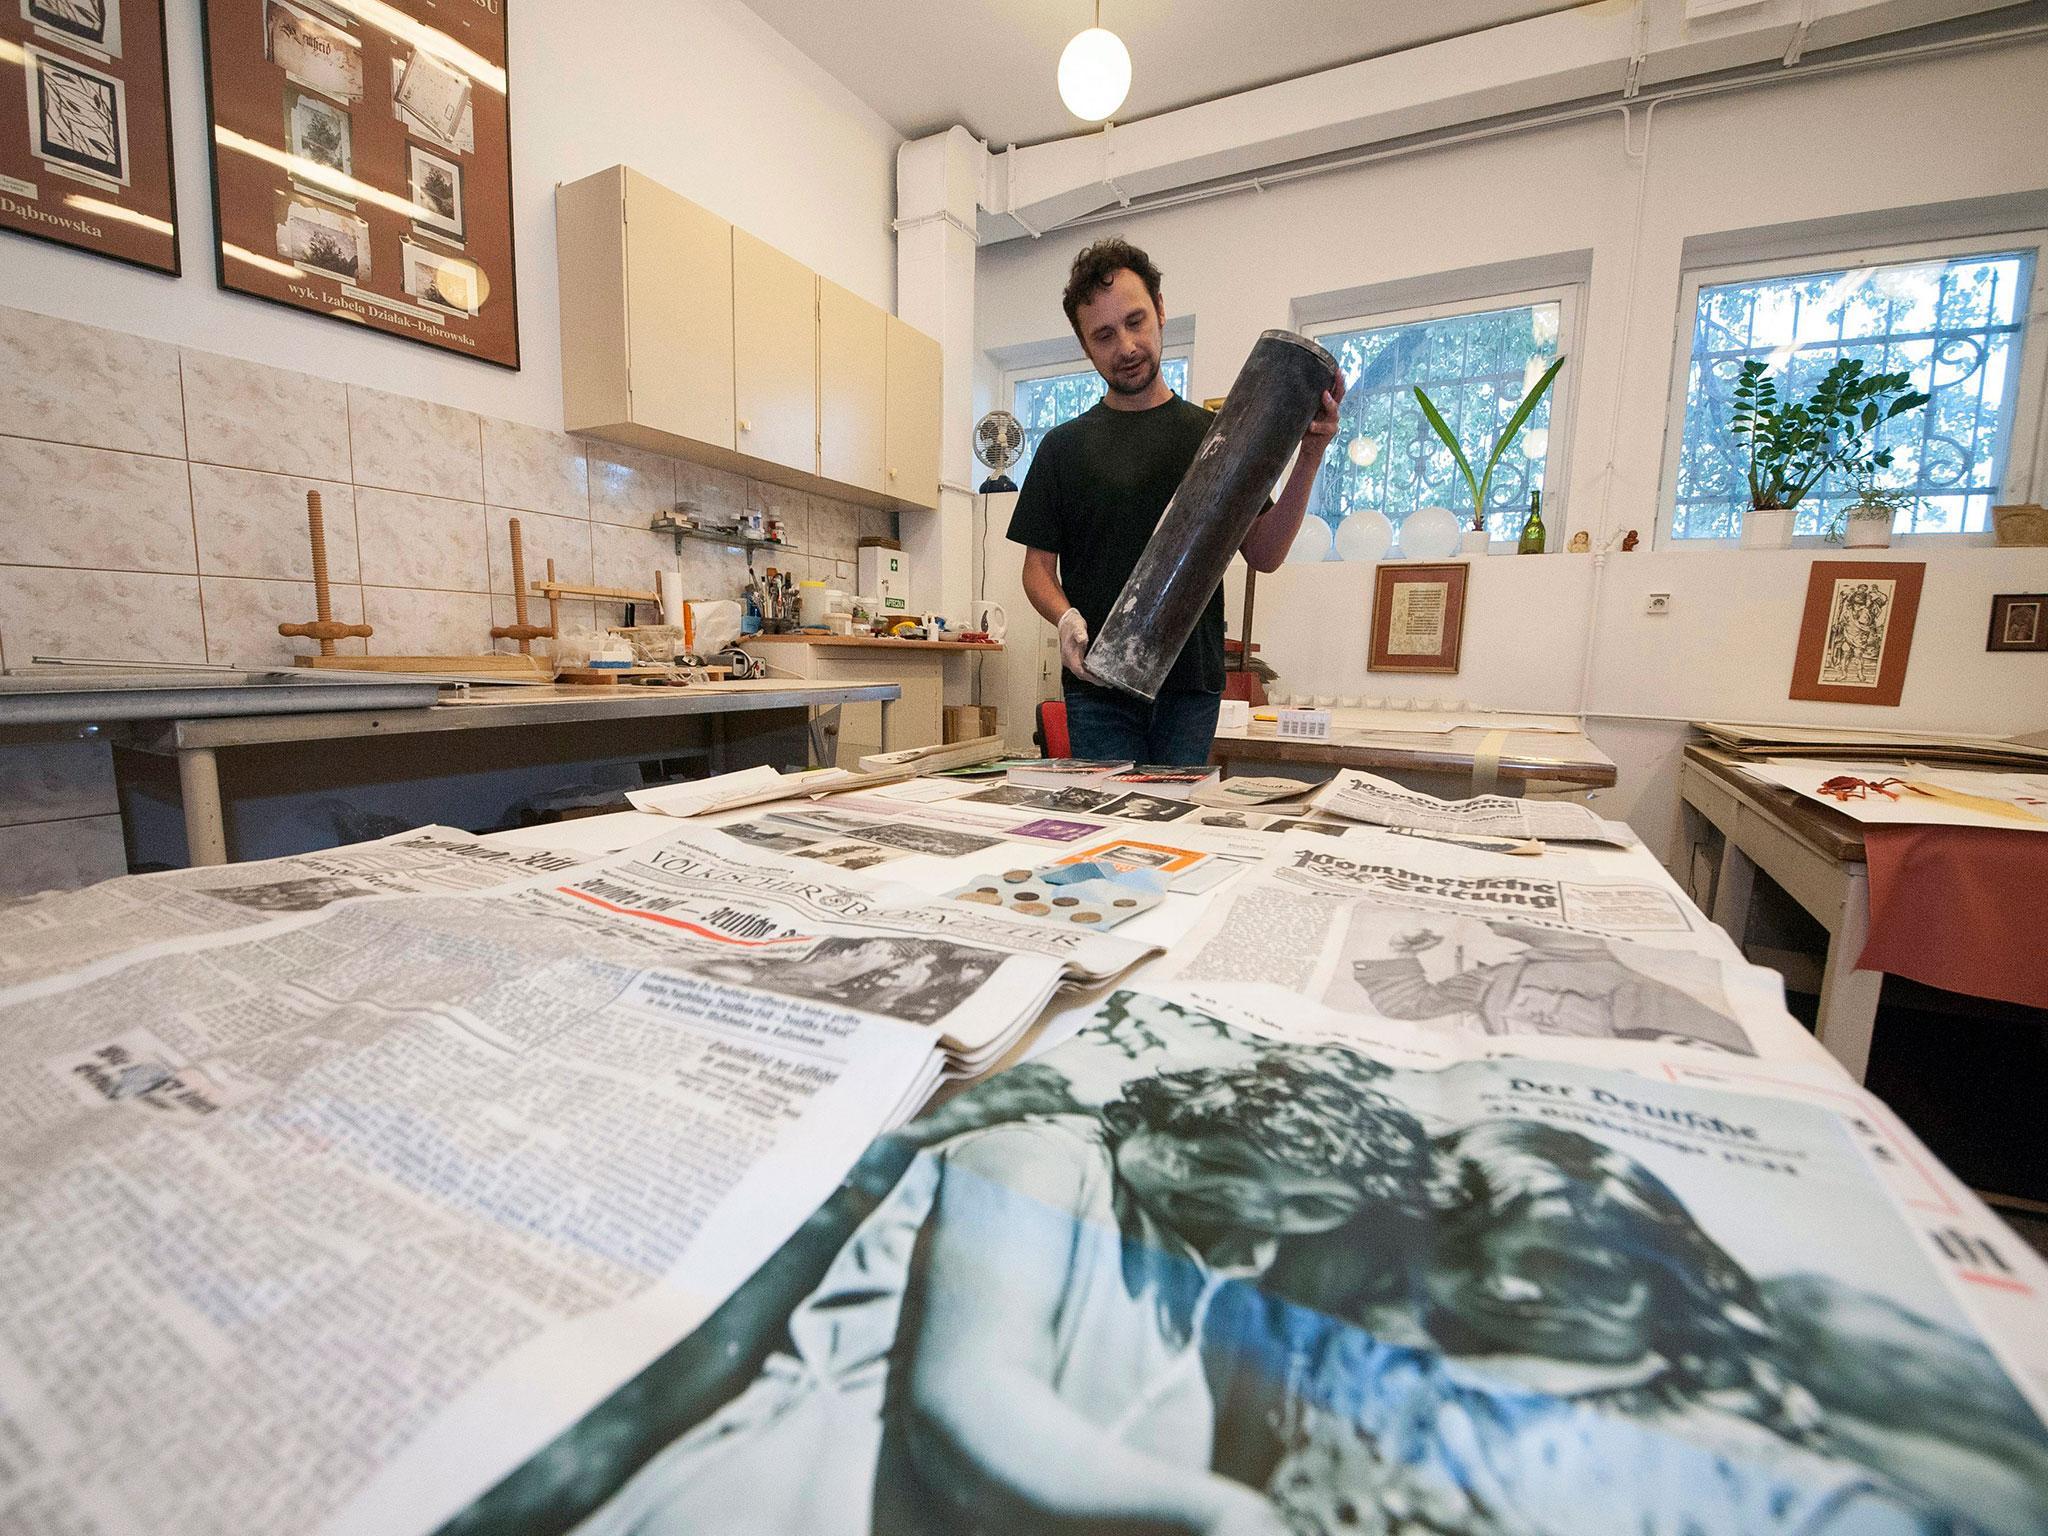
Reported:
(323, 628)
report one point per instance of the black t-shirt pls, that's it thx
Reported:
(1094, 494)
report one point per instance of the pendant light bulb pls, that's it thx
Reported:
(1095, 72)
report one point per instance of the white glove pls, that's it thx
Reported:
(1074, 644)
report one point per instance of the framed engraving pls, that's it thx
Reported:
(85, 154)
(362, 165)
(1418, 616)
(2019, 622)
(1857, 631)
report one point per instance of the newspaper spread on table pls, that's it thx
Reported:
(1213, 1264)
(1482, 944)
(274, 1201)
(61, 930)
(1367, 797)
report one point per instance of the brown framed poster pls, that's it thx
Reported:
(1857, 631)
(362, 164)
(85, 128)
(1418, 616)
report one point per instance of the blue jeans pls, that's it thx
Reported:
(1176, 729)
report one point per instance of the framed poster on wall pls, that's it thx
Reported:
(362, 164)
(1418, 616)
(85, 128)
(1857, 631)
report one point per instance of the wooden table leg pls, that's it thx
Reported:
(1848, 996)
(1734, 884)
(206, 836)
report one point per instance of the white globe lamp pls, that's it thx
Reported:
(1095, 73)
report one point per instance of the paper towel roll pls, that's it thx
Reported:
(671, 596)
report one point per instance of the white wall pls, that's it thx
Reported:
(700, 94)
(1962, 140)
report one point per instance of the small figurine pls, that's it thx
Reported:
(1629, 542)
(1581, 542)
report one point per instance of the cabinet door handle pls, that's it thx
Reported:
(746, 425)
(892, 474)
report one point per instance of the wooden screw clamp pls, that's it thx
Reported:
(324, 628)
(522, 631)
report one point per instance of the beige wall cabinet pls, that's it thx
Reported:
(775, 355)
(685, 335)
(911, 451)
(647, 312)
(853, 373)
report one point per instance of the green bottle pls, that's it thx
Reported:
(1532, 530)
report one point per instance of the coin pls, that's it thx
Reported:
(1033, 908)
(1016, 876)
(1084, 917)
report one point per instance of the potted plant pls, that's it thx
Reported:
(1790, 444)
(1867, 522)
(1476, 537)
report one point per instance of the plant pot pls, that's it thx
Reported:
(1867, 528)
(1477, 541)
(1767, 528)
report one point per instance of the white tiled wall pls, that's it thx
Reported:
(153, 506)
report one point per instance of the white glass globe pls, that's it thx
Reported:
(1311, 545)
(1364, 536)
(1363, 451)
(1535, 442)
(1095, 74)
(1431, 533)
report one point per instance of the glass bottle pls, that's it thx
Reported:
(1532, 531)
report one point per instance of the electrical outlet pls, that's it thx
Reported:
(1659, 602)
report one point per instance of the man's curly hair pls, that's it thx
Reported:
(1293, 1108)
(1096, 268)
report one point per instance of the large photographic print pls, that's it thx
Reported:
(85, 154)
(396, 121)
(1177, 1276)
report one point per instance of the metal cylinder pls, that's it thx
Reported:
(1272, 403)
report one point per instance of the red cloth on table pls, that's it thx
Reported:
(1962, 908)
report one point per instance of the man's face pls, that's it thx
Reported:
(1120, 330)
(1202, 1185)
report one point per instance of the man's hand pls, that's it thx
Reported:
(1324, 427)
(1074, 645)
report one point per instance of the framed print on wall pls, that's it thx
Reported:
(1857, 631)
(1418, 616)
(362, 164)
(85, 128)
(2019, 622)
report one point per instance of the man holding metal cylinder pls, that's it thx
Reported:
(1095, 494)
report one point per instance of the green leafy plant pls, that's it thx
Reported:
(1868, 494)
(1790, 444)
(1477, 484)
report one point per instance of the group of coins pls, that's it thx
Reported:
(1038, 903)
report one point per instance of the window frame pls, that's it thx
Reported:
(2030, 396)
(1570, 299)
(1078, 362)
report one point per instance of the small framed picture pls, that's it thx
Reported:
(2019, 622)
(1857, 630)
(77, 118)
(443, 281)
(314, 53)
(94, 24)
(318, 130)
(317, 238)
(1418, 616)
(436, 183)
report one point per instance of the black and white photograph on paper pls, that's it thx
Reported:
(312, 52)
(1176, 1275)
(853, 855)
(1138, 806)
(1040, 799)
(94, 24)
(436, 183)
(1297, 824)
(322, 239)
(1483, 976)
(77, 118)
(772, 838)
(444, 281)
(921, 980)
(318, 131)
(304, 893)
(944, 842)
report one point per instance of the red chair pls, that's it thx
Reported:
(1051, 736)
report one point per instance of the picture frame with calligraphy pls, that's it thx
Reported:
(85, 128)
(1418, 616)
(1856, 633)
(362, 165)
